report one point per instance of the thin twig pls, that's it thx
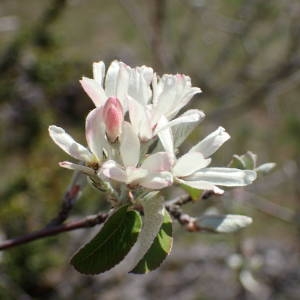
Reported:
(89, 221)
(187, 221)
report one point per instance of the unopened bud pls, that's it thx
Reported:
(113, 118)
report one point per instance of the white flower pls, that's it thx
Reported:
(139, 84)
(96, 140)
(192, 168)
(114, 145)
(153, 172)
(132, 87)
(114, 84)
(170, 94)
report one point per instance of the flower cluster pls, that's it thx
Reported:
(135, 128)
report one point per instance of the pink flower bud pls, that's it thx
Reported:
(113, 118)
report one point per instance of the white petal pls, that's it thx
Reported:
(76, 167)
(94, 91)
(167, 85)
(114, 171)
(183, 130)
(122, 85)
(147, 73)
(225, 176)
(190, 163)
(139, 88)
(212, 142)
(201, 185)
(112, 79)
(95, 132)
(183, 125)
(135, 175)
(173, 92)
(129, 146)
(157, 180)
(156, 90)
(157, 162)
(165, 136)
(190, 116)
(185, 98)
(68, 144)
(99, 72)
(139, 119)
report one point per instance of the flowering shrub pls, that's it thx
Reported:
(132, 135)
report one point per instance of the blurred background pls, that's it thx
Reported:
(243, 54)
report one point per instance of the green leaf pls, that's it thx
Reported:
(159, 249)
(246, 161)
(223, 223)
(152, 220)
(115, 239)
(237, 162)
(250, 160)
(265, 168)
